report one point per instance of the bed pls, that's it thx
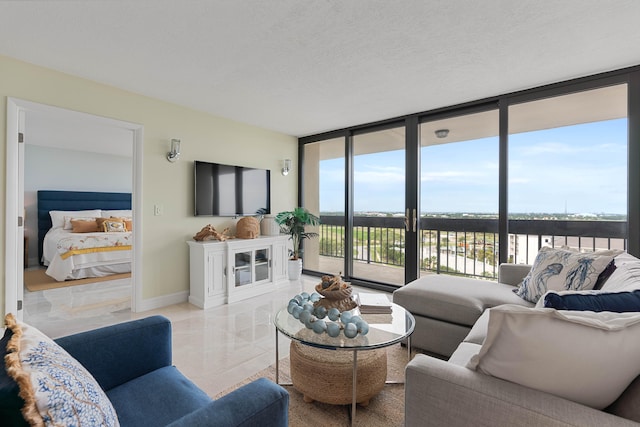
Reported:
(72, 255)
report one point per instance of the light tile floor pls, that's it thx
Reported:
(215, 348)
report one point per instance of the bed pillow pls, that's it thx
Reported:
(58, 217)
(56, 388)
(563, 269)
(82, 225)
(127, 213)
(564, 353)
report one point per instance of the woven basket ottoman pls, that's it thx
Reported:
(327, 375)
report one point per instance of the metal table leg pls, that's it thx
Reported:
(277, 359)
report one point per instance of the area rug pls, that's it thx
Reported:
(37, 280)
(386, 409)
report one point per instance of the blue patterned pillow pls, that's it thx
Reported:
(56, 388)
(563, 269)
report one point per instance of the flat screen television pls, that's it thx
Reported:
(226, 190)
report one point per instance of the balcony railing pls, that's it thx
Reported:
(464, 246)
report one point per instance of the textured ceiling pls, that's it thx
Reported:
(303, 67)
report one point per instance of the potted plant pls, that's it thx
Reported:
(293, 223)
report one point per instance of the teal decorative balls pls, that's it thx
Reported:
(296, 312)
(333, 314)
(302, 307)
(333, 329)
(345, 316)
(350, 330)
(319, 326)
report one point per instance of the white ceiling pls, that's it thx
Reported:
(303, 67)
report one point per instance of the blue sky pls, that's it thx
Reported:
(580, 168)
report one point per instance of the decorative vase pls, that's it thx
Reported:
(269, 226)
(294, 269)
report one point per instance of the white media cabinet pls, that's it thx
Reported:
(230, 271)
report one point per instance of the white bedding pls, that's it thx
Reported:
(94, 263)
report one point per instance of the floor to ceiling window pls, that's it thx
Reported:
(459, 195)
(324, 195)
(491, 182)
(568, 164)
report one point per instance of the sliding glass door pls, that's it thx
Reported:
(378, 233)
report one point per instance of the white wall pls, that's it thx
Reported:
(48, 168)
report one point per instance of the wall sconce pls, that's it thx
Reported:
(174, 154)
(286, 167)
(442, 133)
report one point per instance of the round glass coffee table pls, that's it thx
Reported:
(385, 329)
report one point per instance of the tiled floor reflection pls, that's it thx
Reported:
(215, 348)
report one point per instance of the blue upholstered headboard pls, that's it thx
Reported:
(74, 201)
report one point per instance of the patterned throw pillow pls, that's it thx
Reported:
(563, 269)
(114, 226)
(56, 389)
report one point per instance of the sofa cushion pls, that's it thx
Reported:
(162, 396)
(478, 333)
(463, 354)
(563, 269)
(56, 389)
(454, 299)
(562, 352)
(618, 302)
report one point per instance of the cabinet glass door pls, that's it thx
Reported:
(262, 264)
(242, 269)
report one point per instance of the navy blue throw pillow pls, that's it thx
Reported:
(618, 302)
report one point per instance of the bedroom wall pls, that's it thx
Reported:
(72, 170)
(165, 260)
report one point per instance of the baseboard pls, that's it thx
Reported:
(163, 301)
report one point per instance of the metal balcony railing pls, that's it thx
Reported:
(464, 246)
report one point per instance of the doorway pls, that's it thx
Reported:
(18, 113)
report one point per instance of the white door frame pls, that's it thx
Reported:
(14, 199)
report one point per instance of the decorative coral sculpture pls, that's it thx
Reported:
(209, 232)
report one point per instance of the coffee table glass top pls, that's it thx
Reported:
(384, 330)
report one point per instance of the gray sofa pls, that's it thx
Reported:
(450, 322)
(446, 307)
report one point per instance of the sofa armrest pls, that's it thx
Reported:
(259, 403)
(512, 274)
(119, 353)
(439, 393)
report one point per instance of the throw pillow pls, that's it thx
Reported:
(618, 302)
(56, 389)
(562, 352)
(114, 226)
(563, 269)
(626, 277)
(606, 273)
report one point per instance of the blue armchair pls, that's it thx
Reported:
(132, 363)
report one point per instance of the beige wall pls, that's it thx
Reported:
(205, 137)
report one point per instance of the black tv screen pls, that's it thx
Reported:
(225, 190)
